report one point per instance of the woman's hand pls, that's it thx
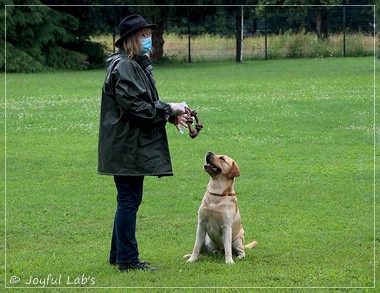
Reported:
(180, 121)
(179, 116)
(178, 108)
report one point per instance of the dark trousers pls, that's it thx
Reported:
(124, 247)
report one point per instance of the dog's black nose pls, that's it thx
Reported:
(209, 153)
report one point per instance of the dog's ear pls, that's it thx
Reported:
(234, 171)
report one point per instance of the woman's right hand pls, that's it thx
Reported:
(178, 109)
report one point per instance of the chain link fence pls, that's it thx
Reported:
(278, 32)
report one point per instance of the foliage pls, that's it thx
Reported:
(62, 58)
(38, 37)
(20, 61)
(324, 18)
(51, 27)
(300, 130)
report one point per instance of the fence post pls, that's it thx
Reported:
(344, 31)
(189, 36)
(265, 33)
(239, 36)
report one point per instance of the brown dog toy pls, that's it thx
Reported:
(198, 126)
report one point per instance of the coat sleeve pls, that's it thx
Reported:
(135, 97)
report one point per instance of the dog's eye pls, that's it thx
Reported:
(223, 159)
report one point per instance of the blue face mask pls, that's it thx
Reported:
(146, 44)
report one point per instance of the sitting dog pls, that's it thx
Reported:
(219, 223)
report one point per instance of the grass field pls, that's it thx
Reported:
(301, 131)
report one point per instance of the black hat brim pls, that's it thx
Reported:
(120, 39)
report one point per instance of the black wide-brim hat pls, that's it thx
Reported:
(131, 24)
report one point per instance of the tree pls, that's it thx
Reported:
(56, 34)
(36, 38)
(299, 13)
(322, 12)
(105, 19)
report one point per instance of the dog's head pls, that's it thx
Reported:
(221, 165)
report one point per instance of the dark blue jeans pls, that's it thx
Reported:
(124, 247)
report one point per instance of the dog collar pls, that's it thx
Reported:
(224, 194)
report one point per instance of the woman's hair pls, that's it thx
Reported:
(132, 44)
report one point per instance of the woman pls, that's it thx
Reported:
(132, 135)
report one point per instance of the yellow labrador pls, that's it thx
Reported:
(219, 223)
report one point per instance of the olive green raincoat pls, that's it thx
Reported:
(132, 134)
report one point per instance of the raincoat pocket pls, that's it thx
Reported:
(150, 136)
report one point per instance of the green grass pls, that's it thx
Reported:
(301, 131)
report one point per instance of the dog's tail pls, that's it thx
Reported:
(251, 245)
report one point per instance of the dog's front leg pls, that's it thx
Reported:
(199, 242)
(227, 238)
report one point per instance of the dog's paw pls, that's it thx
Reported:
(230, 261)
(191, 258)
(240, 256)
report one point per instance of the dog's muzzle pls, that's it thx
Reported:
(210, 167)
